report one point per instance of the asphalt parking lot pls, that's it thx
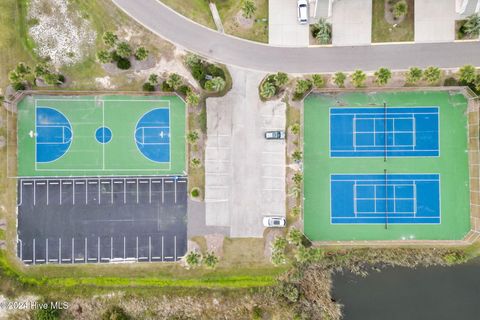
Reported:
(99, 220)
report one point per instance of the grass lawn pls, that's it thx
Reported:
(197, 10)
(382, 31)
(229, 9)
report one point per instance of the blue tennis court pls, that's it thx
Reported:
(379, 132)
(152, 135)
(385, 199)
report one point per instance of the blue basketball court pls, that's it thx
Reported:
(152, 135)
(53, 133)
(384, 132)
(385, 199)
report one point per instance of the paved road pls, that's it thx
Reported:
(230, 50)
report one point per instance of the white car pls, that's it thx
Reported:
(302, 11)
(274, 222)
(275, 135)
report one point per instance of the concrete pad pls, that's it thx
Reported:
(351, 22)
(435, 20)
(252, 184)
(283, 27)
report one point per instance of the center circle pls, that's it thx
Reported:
(103, 135)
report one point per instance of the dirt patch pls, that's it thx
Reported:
(215, 244)
(61, 35)
(104, 83)
(243, 22)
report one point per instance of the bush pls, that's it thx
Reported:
(183, 89)
(450, 82)
(41, 69)
(297, 178)
(295, 211)
(124, 50)
(195, 192)
(192, 137)
(110, 39)
(454, 258)
(198, 72)
(47, 313)
(382, 76)
(322, 31)
(61, 78)
(153, 79)
(193, 258)
(17, 86)
(413, 75)
(295, 237)
(467, 74)
(115, 313)
(257, 313)
(166, 87)
(309, 255)
(281, 79)
(174, 81)
(339, 79)
(192, 60)
(195, 163)
(358, 78)
(400, 9)
(472, 25)
(141, 53)
(295, 128)
(432, 75)
(124, 64)
(104, 56)
(318, 81)
(297, 155)
(115, 56)
(248, 9)
(267, 90)
(215, 85)
(52, 79)
(147, 86)
(192, 98)
(210, 260)
(289, 291)
(302, 86)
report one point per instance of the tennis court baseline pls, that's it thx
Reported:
(389, 131)
(385, 199)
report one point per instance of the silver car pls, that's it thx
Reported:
(275, 135)
(302, 11)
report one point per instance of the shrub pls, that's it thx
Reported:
(295, 211)
(289, 291)
(400, 9)
(450, 82)
(267, 90)
(124, 50)
(295, 128)
(309, 255)
(17, 86)
(215, 85)
(141, 53)
(183, 89)
(257, 313)
(192, 60)
(281, 79)
(339, 79)
(193, 258)
(153, 79)
(192, 137)
(14, 77)
(210, 260)
(382, 76)
(318, 81)
(166, 87)
(432, 75)
(278, 250)
(302, 86)
(248, 9)
(195, 163)
(322, 31)
(174, 81)
(195, 192)
(104, 56)
(147, 86)
(41, 69)
(472, 25)
(454, 258)
(115, 313)
(297, 155)
(476, 83)
(22, 69)
(61, 78)
(295, 237)
(47, 313)
(198, 72)
(124, 64)
(215, 71)
(110, 39)
(358, 78)
(467, 74)
(297, 178)
(413, 75)
(115, 56)
(192, 98)
(52, 79)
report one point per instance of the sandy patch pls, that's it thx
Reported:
(60, 33)
(104, 83)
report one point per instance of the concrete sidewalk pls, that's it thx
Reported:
(283, 27)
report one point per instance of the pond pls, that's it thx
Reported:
(435, 293)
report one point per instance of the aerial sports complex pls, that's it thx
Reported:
(101, 178)
(387, 166)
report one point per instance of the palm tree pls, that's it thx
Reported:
(467, 74)
(323, 31)
(267, 90)
(216, 84)
(248, 9)
(382, 76)
(472, 25)
(432, 75)
(174, 81)
(358, 78)
(413, 75)
(400, 9)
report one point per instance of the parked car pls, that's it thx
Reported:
(275, 135)
(274, 222)
(302, 11)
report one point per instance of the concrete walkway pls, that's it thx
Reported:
(234, 51)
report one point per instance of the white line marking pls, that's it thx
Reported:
(60, 250)
(73, 250)
(46, 250)
(33, 250)
(162, 248)
(86, 243)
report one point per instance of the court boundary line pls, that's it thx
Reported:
(394, 224)
(169, 168)
(375, 106)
